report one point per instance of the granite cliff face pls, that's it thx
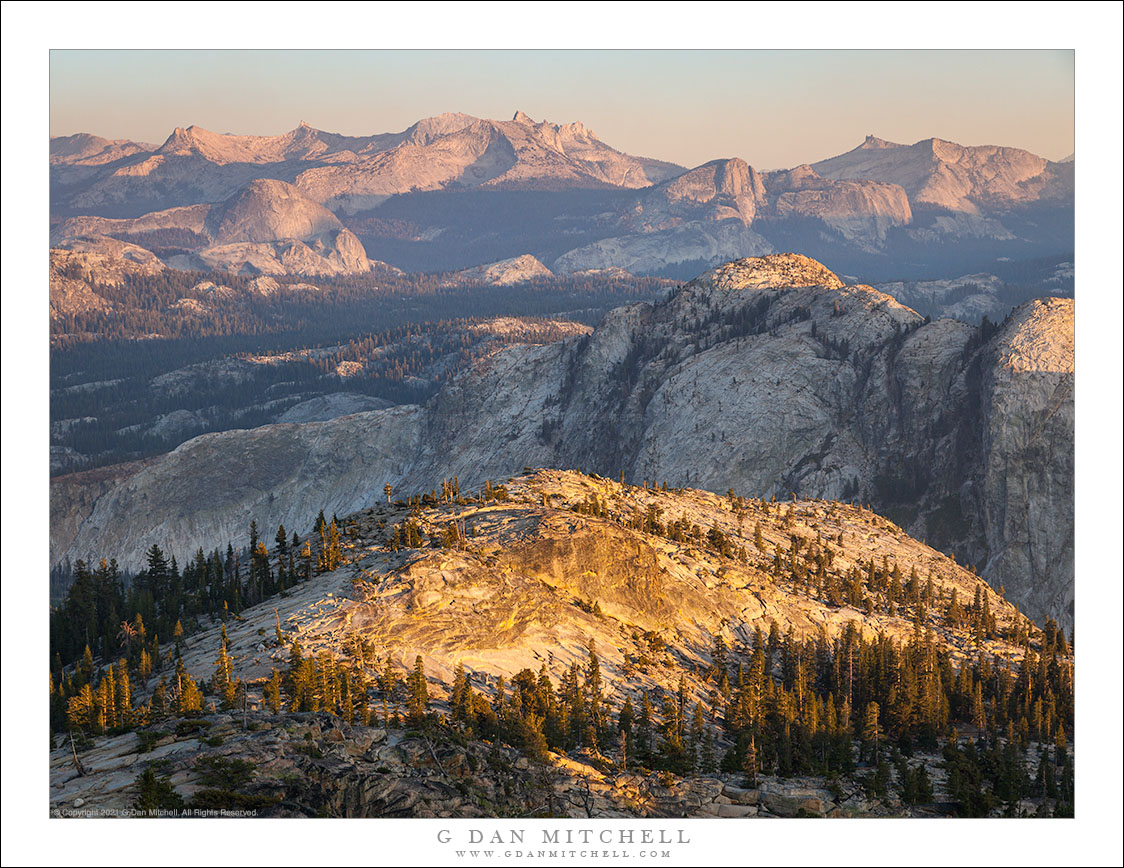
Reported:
(858, 211)
(1026, 492)
(703, 215)
(766, 375)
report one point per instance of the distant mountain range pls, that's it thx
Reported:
(454, 191)
(346, 173)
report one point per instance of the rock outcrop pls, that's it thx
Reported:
(81, 269)
(506, 272)
(767, 375)
(317, 765)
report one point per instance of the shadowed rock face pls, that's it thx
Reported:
(597, 563)
(1026, 491)
(765, 375)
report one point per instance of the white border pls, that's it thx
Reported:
(1093, 29)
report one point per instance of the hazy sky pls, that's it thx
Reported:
(773, 108)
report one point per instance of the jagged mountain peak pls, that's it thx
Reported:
(875, 143)
(181, 137)
(775, 271)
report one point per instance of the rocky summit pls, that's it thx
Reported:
(768, 376)
(507, 272)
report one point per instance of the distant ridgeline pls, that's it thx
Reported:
(454, 191)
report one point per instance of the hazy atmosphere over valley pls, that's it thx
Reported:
(501, 438)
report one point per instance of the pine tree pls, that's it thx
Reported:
(223, 683)
(272, 692)
(123, 694)
(872, 731)
(80, 709)
(156, 794)
(418, 698)
(750, 762)
(593, 690)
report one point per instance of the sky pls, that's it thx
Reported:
(773, 108)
